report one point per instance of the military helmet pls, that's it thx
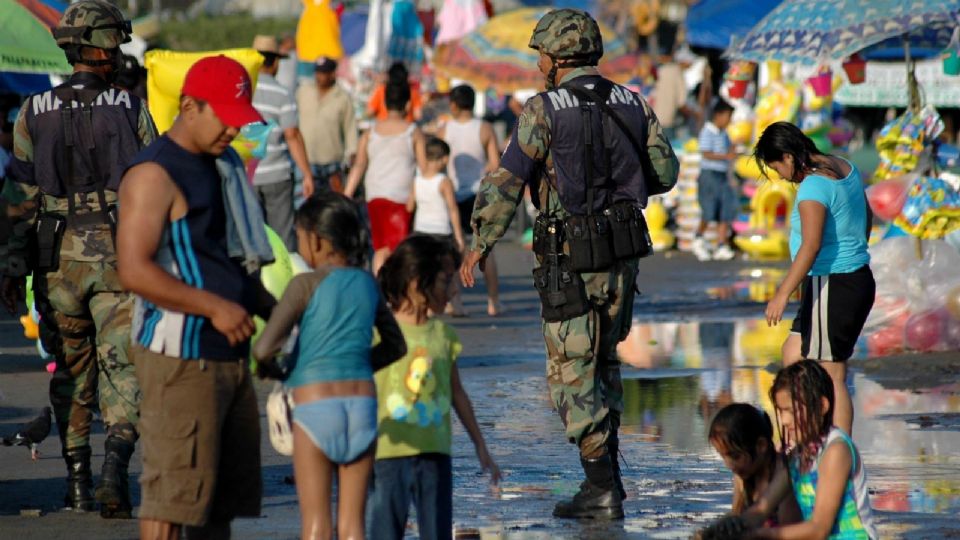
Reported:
(568, 33)
(92, 23)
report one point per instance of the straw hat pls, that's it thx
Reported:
(267, 45)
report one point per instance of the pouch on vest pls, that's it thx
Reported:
(50, 229)
(589, 241)
(563, 294)
(631, 239)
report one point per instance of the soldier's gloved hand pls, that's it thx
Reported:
(14, 292)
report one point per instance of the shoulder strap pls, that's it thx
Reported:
(588, 142)
(590, 95)
(84, 97)
(645, 164)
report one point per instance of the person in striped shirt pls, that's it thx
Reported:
(273, 178)
(715, 190)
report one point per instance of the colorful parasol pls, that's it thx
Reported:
(496, 55)
(811, 31)
(26, 45)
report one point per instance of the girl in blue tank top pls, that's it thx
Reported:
(824, 469)
(335, 415)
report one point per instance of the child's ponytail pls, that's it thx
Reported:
(336, 218)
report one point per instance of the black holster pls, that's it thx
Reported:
(563, 294)
(50, 229)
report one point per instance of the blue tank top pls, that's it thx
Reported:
(336, 329)
(193, 250)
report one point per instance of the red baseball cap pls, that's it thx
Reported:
(225, 85)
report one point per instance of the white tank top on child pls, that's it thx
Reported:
(468, 157)
(392, 166)
(432, 215)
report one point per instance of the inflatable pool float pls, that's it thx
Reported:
(656, 216)
(767, 238)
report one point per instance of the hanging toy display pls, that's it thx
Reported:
(903, 140)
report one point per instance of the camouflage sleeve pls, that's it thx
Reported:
(502, 190)
(23, 194)
(146, 129)
(663, 161)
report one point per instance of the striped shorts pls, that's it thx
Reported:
(832, 312)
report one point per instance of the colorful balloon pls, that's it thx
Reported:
(924, 330)
(887, 198)
(885, 341)
(953, 303)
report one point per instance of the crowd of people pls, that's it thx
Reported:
(146, 249)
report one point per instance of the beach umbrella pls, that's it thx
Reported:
(820, 31)
(813, 31)
(46, 11)
(496, 54)
(26, 45)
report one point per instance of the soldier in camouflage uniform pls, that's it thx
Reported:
(71, 145)
(583, 372)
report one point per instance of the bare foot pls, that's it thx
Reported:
(494, 309)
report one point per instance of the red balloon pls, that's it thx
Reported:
(887, 198)
(924, 330)
(886, 341)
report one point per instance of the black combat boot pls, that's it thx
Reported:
(113, 493)
(598, 497)
(613, 450)
(79, 480)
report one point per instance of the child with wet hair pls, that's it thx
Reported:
(743, 436)
(824, 469)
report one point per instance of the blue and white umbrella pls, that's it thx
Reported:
(813, 31)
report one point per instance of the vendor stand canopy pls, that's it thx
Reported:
(497, 55)
(713, 24)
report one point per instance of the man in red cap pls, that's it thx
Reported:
(193, 322)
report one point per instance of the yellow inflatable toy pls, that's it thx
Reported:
(777, 101)
(656, 216)
(318, 32)
(766, 238)
(167, 69)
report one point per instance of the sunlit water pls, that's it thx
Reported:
(677, 376)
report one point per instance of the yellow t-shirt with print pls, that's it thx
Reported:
(414, 394)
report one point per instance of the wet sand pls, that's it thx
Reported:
(703, 348)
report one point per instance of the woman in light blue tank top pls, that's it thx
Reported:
(336, 308)
(829, 229)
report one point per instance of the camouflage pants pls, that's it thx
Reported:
(583, 372)
(87, 328)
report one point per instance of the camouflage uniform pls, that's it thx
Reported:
(583, 372)
(90, 309)
(86, 312)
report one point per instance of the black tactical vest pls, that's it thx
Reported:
(101, 143)
(616, 168)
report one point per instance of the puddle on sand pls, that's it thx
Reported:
(678, 375)
(907, 438)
